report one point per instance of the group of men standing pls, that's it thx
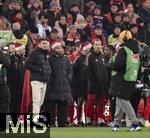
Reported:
(53, 85)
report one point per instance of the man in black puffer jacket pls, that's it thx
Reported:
(40, 70)
(59, 90)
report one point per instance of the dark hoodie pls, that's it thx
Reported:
(119, 87)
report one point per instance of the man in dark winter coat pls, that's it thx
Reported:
(80, 79)
(40, 70)
(15, 77)
(58, 90)
(109, 51)
(125, 65)
(4, 91)
(97, 83)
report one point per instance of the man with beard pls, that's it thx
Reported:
(40, 70)
(58, 90)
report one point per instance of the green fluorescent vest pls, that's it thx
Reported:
(132, 65)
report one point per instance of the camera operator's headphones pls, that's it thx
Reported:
(125, 35)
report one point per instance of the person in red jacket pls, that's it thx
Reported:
(98, 34)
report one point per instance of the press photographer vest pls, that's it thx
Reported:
(132, 65)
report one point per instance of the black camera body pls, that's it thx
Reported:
(144, 51)
(145, 62)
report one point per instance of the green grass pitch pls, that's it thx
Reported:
(97, 132)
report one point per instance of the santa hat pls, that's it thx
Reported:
(86, 45)
(18, 47)
(55, 44)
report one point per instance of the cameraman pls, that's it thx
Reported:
(145, 57)
(4, 91)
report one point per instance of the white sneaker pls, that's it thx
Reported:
(134, 128)
(116, 128)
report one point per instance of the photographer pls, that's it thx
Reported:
(145, 58)
(4, 91)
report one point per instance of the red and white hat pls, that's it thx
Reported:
(54, 45)
(20, 47)
(86, 45)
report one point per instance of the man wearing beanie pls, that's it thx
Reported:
(58, 90)
(125, 67)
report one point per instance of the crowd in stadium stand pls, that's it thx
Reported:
(71, 59)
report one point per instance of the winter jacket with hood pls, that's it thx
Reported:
(119, 87)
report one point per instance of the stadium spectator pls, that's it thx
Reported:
(81, 26)
(144, 11)
(62, 26)
(132, 15)
(43, 28)
(54, 12)
(69, 4)
(98, 34)
(72, 36)
(113, 10)
(125, 22)
(113, 38)
(120, 3)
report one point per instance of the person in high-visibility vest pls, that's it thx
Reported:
(125, 66)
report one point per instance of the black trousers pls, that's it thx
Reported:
(112, 107)
(57, 108)
(4, 104)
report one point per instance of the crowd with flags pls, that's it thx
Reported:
(79, 62)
